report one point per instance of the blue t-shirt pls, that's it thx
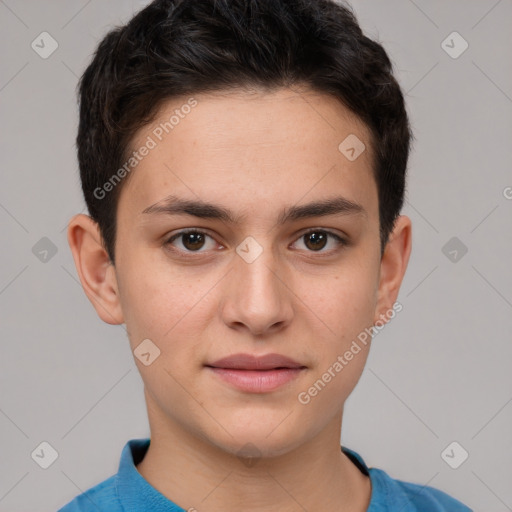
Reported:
(128, 491)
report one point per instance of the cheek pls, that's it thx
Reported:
(345, 302)
(152, 301)
(166, 305)
(161, 307)
(347, 308)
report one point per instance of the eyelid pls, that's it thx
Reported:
(343, 238)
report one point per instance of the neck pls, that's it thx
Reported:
(197, 475)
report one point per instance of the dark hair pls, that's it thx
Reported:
(182, 47)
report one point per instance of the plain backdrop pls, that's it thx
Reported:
(438, 373)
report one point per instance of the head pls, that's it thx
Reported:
(239, 114)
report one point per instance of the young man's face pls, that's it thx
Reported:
(254, 284)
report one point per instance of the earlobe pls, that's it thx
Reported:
(95, 270)
(393, 266)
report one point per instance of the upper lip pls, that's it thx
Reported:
(251, 362)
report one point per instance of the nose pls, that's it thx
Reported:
(258, 295)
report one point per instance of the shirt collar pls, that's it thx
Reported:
(357, 460)
(134, 491)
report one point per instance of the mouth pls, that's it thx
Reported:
(256, 374)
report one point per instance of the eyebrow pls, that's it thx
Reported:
(173, 205)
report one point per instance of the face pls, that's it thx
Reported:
(257, 273)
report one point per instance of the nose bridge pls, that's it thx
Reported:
(257, 295)
(257, 268)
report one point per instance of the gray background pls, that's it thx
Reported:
(439, 372)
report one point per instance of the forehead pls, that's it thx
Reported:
(251, 149)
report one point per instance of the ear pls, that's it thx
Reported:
(96, 271)
(393, 265)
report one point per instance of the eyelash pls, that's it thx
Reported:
(341, 242)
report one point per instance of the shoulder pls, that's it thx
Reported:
(412, 497)
(98, 498)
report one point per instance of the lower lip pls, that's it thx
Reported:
(257, 381)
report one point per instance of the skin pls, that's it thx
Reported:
(254, 153)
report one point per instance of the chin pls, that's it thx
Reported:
(257, 439)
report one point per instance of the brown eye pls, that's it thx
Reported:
(191, 241)
(316, 240)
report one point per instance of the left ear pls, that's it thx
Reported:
(393, 265)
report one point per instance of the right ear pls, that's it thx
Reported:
(95, 270)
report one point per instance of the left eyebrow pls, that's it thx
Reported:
(173, 205)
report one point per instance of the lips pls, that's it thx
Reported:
(256, 374)
(251, 362)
